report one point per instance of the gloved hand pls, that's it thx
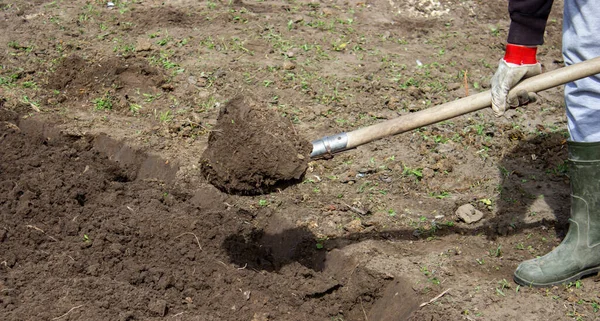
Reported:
(519, 63)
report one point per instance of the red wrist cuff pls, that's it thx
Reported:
(520, 55)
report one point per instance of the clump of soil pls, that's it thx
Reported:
(253, 149)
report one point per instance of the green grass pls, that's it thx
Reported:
(103, 103)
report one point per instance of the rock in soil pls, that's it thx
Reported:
(253, 150)
(469, 214)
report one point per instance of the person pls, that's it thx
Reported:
(578, 254)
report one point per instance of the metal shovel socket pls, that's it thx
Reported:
(343, 141)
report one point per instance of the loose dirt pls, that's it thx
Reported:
(253, 150)
(109, 116)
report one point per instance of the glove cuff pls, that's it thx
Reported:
(520, 55)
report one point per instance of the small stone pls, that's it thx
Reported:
(428, 172)
(158, 307)
(321, 110)
(469, 214)
(12, 128)
(328, 12)
(393, 103)
(288, 65)
(453, 86)
(93, 269)
(10, 259)
(260, 316)
(168, 87)
(202, 82)
(354, 226)
(126, 316)
(300, 156)
(143, 45)
(116, 248)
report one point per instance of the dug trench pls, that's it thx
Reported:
(95, 229)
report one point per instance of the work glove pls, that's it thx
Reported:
(519, 62)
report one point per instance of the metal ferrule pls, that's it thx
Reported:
(329, 145)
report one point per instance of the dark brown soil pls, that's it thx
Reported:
(253, 149)
(97, 235)
(107, 213)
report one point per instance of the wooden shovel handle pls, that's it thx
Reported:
(469, 104)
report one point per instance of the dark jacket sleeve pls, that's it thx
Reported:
(528, 21)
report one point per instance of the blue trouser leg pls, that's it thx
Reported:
(581, 41)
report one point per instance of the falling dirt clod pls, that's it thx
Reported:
(253, 150)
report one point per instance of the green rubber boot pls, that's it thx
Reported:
(578, 254)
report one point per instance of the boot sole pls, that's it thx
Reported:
(575, 277)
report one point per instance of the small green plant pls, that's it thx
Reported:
(487, 202)
(440, 195)
(86, 238)
(503, 285)
(496, 252)
(263, 202)
(165, 116)
(163, 42)
(577, 284)
(417, 172)
(495, 31)
(560, 169)
(150, 97)
(14, 44)
(9, 81)
(29, 84)
(134, 108)
(103, 103)
(505, 172)
(32, 103)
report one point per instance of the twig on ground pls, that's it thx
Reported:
(40, 230)
(466, 84)
(178, 314)
(197, 241)
(34, 107)
(294, 128)
(363, 309)
(434, 299)
(199, 125)
(350, 276)
(356, 210)
(70, 310)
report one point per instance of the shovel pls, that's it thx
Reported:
(343, 141)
